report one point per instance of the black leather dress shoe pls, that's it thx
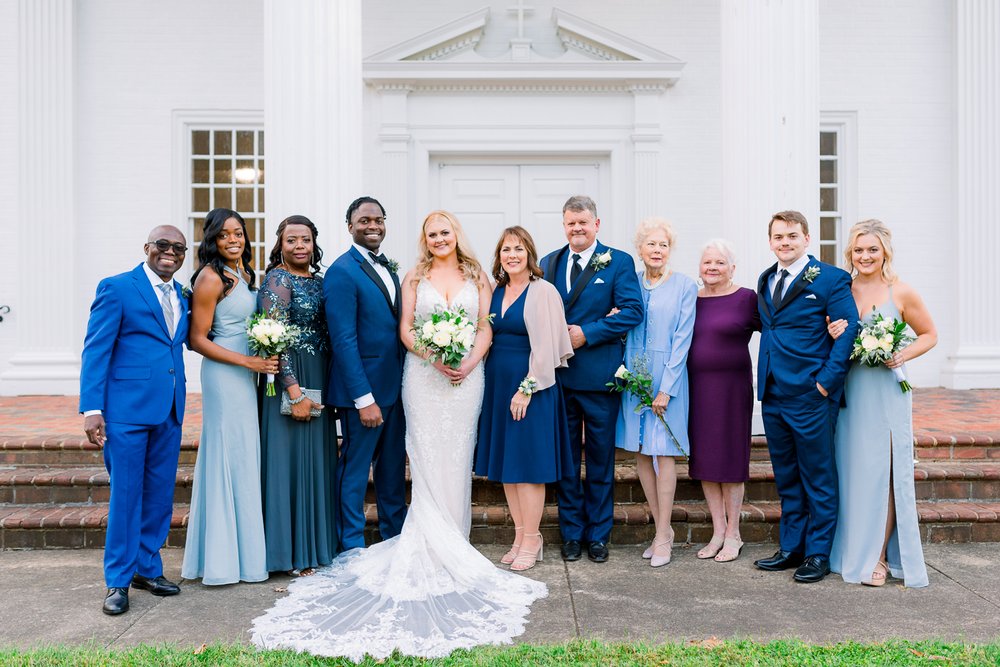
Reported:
(812, 570)
(598, 552)
(156, 586)
(572, 550)
(116, 602)
(781, 560)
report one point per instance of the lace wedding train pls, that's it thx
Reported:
(427, 591)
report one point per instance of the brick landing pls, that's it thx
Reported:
(940, 416)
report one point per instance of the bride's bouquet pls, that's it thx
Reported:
(447, 335)
(878, 340)
(639, 383)
(270, 335)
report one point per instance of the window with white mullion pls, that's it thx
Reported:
(227, 171)
(830, 194)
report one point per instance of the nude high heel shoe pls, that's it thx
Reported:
(525, 559)
(509, 557)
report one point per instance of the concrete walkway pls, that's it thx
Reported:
(54, 597)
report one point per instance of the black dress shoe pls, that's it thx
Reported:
(812, 570)
(116, 602)
(781, 560)
(572, 550)
(598, 552)
(157, 586)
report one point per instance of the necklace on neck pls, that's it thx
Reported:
(653, 284)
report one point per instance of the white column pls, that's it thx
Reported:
(394, 181)
(976, 361)
(770, 122)
(647, 134)
(43, 309)
(312, 113)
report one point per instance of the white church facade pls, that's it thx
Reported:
(119, 115)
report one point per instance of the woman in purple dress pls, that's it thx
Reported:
(721, 384)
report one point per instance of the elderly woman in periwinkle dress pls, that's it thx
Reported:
(659, 345)
(721, 380)
(298, 451)
(877, 526)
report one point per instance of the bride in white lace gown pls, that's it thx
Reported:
(427, 591)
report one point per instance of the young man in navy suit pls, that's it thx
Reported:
(132, 399)
(800, 380)
(366, 371)
(592, 279)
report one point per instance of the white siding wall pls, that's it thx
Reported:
(893, 63)
(138, 62)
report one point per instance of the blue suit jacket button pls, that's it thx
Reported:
(171, 371)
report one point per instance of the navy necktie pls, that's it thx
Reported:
(779, 288)
(575, 270)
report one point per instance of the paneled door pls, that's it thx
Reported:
(489, 197)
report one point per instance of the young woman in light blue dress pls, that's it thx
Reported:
(660, 344)
(877, 532)
(225, 536)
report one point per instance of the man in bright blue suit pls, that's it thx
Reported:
(592, 279)
(132, 397)
(366, 370)
(800, 380)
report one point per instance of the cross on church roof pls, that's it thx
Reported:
(521, 9)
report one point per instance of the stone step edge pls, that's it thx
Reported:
(78, 443)
(20, 475)
(28, 517)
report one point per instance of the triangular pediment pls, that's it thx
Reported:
(590, 52)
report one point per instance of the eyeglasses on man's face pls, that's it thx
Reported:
(163, 245)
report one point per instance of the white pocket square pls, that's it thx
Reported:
(599, 281)
(810, 296)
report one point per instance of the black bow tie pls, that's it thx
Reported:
(379, 259)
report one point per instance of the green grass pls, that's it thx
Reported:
(710, 652)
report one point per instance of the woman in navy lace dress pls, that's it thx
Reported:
(298, 451)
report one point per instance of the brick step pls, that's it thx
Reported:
(21, 485)
(80, 485)
(52, 527)
(65, 450)
(39, 452)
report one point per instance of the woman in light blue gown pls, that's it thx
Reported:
(877, 532)
(225, 535)
(660, 343)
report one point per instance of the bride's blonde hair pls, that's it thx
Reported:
(467, 262)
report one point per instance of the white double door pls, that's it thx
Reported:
(487, 198)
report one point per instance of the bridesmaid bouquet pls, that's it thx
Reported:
(878, 340)
(447, 334)
(639, 383)
(268, 336)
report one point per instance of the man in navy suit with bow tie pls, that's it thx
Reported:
(800, 381)
(362, 295)
(592, 279)
(132, 398)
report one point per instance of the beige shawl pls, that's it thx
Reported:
(545, 320)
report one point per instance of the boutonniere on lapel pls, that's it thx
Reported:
(601, 261)
(392, 265)
(810, 274)
(186, 293)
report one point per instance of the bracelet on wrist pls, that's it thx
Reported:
(528, 386)
(296, 401)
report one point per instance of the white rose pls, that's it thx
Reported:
(257, 331)
(620, 373)
(441, 326)
(441, 338)
(886, 346)
(887, 338)
(468, 338)
(428, 329)
(869, 343)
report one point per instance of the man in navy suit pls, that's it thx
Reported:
(800, 380)
(132, 398)
(592, 279)
(366, 371)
